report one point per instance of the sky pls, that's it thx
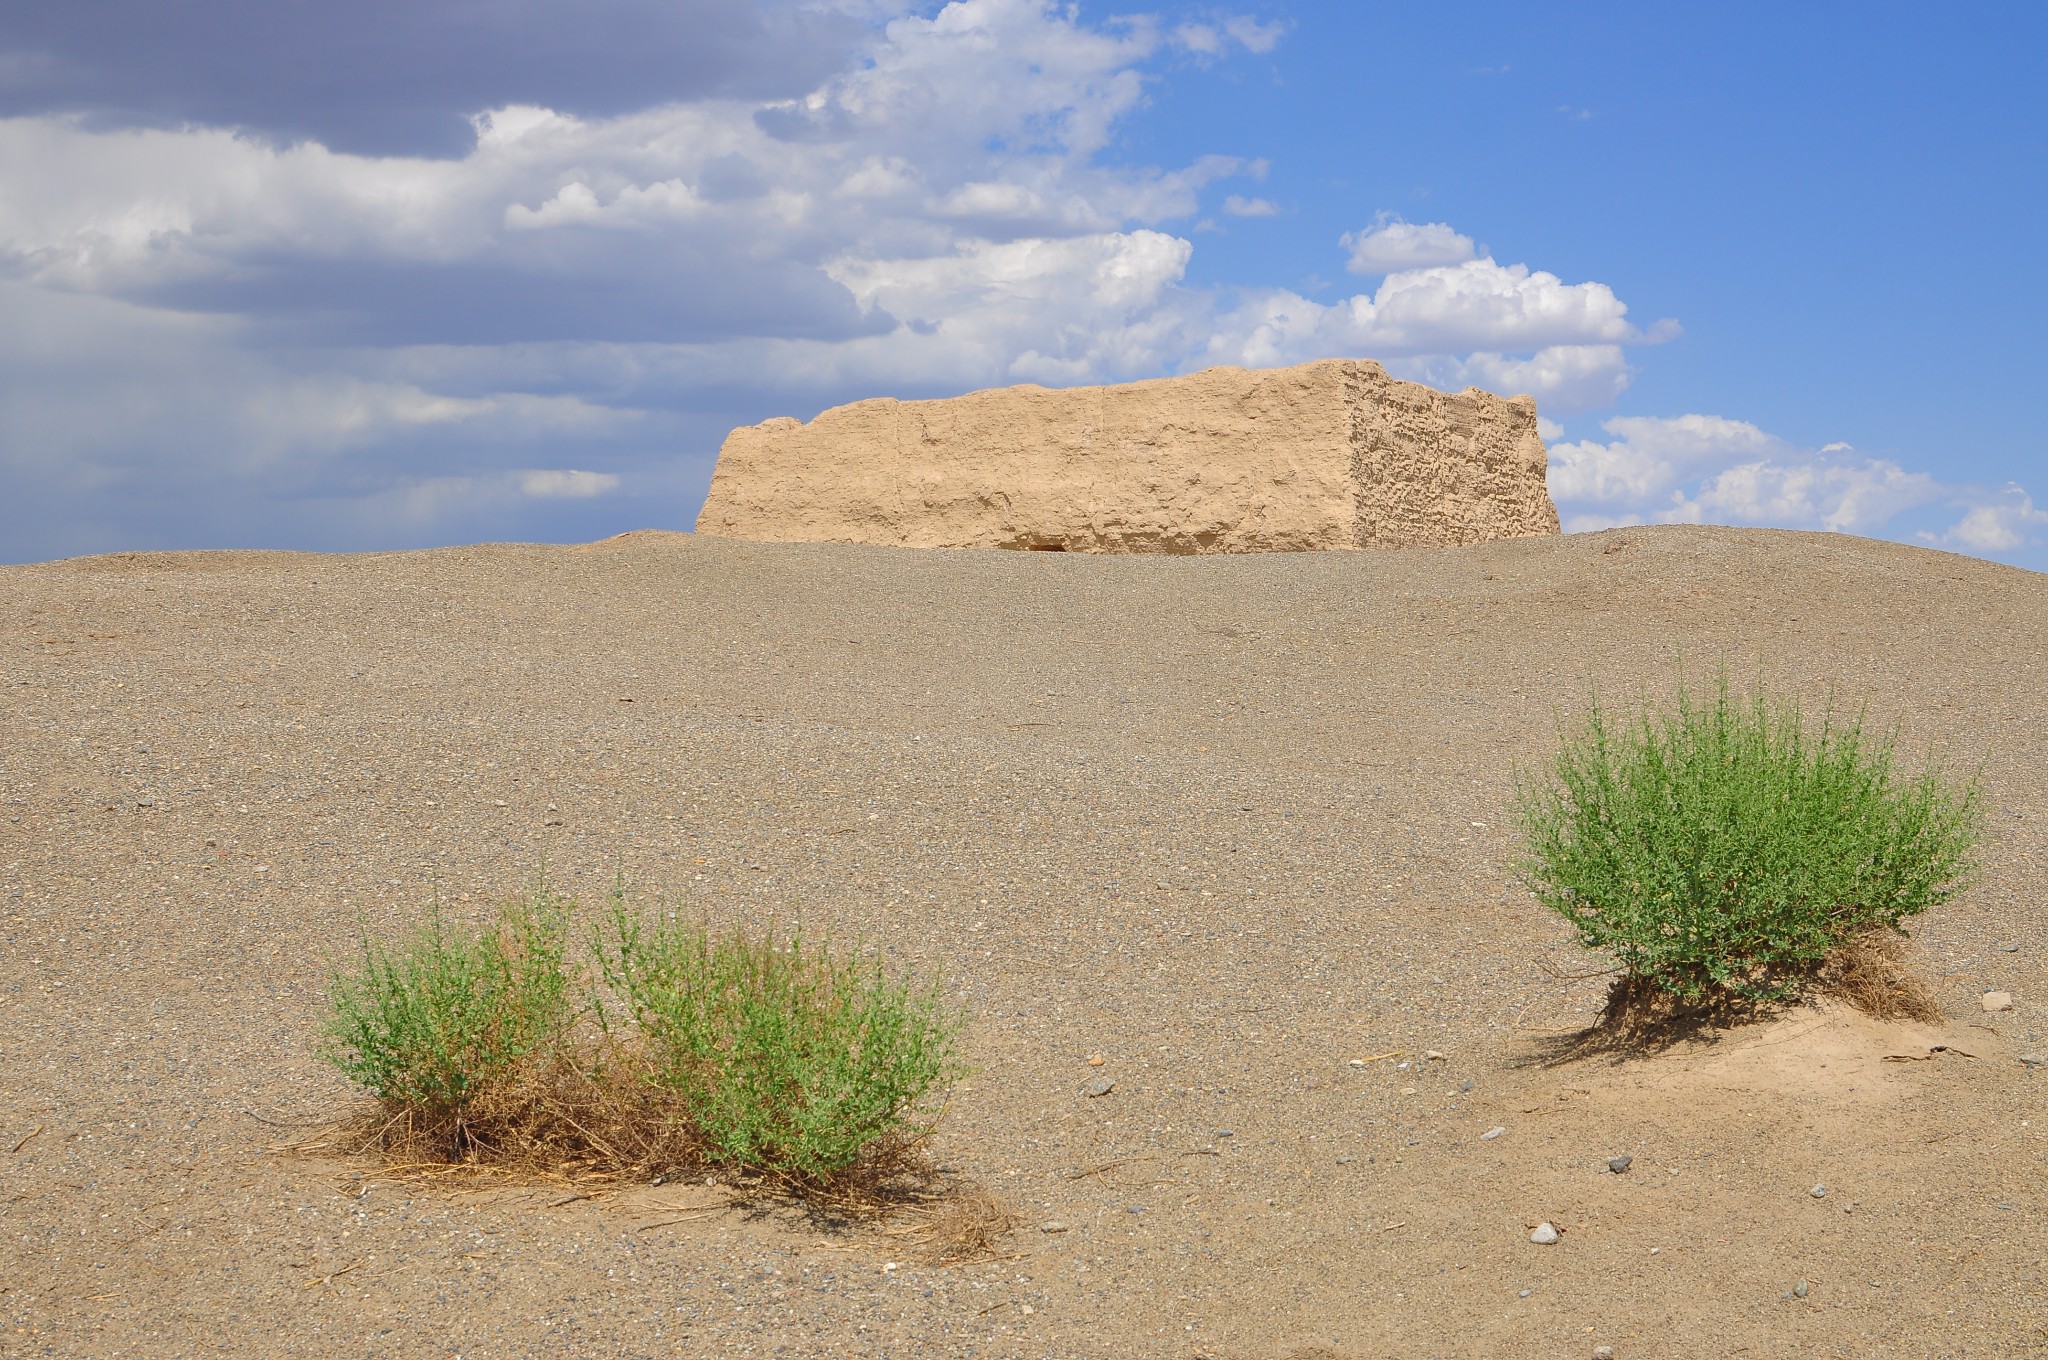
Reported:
(400, 274)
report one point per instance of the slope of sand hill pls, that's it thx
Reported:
(1229, 822)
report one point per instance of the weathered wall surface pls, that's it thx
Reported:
(1332, 454)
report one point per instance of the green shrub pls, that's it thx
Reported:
(431, 1025)
(788, 1058)
(1723, 850)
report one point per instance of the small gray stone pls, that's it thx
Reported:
(1545, 1234)
(1620, 1164)
(1226, 1133)
(1603, 1353)
(1799, 1290)
(2034, 1060)
(1525, 1293)
(1101, 1086)
(1055, 1226)
(1465, 1085)
(1491, 1134)
(1819, 1192)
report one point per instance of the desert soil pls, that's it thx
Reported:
(1230, 823)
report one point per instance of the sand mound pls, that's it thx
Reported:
(1230, 823)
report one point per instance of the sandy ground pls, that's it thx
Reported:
(1229, 822)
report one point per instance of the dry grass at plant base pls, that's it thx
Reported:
(776, 1066)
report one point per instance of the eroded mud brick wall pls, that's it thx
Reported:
(1333, 454)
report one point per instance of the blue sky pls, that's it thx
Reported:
(401, 274)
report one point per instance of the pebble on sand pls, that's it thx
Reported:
(1819, 1192)
(1620, 1164)
(1996, 1001)
(1545, 1234)
(1491, 1134)
(1101, 1086)
(1055, 1226)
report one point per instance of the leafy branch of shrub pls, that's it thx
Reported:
(1725, 848)
(433, 1024)
(790, 1057)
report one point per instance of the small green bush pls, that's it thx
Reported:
(789, 1059)
(1723, 850)
(431, 1025)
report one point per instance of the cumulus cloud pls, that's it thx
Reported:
(1480, 323)
(1390, 245)
(2003, 523)
(1237, 205)
(1215, 37)
(1650, 457)
(1710, 469)
(566, 484)
(1255, 35)
(1567, 377)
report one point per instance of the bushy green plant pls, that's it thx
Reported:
(789, 1057)
(431, 1024)
(1722, 849)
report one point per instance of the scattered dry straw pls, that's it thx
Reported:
(1869, 972)
(559, 1125)
(968, 1225)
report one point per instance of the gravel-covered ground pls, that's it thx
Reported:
(1229, 822)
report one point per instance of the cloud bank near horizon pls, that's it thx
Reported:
(334, 320)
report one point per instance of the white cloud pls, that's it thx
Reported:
(1696, 469)
(1214, 38)
(2005, 522)
(1564, 377)
(1483, 305)
(1390, 245)
(1651, 457)
(981, 314)
(566, 484)
(1237, 205)
(1859, 496)
(1255, 36)
(1505, 327)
